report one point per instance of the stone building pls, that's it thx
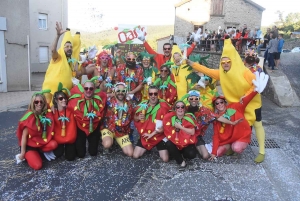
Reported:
(210, 14)
(27, 30)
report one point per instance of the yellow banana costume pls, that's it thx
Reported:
(180, 74)
(206, 96)
(60, 70)
(236, 83)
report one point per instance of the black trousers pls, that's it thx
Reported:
(68, 149)
(93, 140)
(188, 152)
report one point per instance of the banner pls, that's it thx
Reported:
(128, 38)
(127, 34)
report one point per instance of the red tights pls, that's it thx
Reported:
(237, 147)
(33, 157)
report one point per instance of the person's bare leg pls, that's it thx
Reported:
(128, 150)
(203, 151)
(164, 155)
(138, 152)
(107, 142)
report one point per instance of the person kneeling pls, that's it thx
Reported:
(117, 121)
(148, 121)
(179, 128)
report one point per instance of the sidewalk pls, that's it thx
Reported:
(10, 100)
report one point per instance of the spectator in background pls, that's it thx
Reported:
(272, 51)
(266, 41)
(258, 35)
(213, 41)
(275, 31)
(220, 37)
(280, 46)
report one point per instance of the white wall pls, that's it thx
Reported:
(15, 43)
(57, 11)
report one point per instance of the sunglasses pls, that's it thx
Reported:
(129, 59)
(105, 58)
(193, 99)
(155, 94)
(221, 102)
(167, 48)
(37, 102)
(180, 107)
(89, 88)
(164, 71)
(226, 62)
(121, 91)
(62, 98)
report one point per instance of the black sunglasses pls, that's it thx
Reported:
(192, 99)
(121, 91)
(37, 102)
(155, 94)
(89, 88)
(62, 98)
(178, 107)
(221, 102)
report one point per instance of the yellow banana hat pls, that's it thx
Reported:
(181, 75)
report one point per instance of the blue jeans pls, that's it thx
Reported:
(258, 48)
(271, 60)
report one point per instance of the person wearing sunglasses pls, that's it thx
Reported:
(180, 130)
(207, 88)
(236, 83)
(63, 66)
(160, 59)
(116, 124)
(65, 130)
(88, 104)
(35, 132)
(133, 75)
(148, 122)
(167, 88)
(104, 69)
(204, 116)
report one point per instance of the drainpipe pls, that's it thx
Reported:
(29, 70)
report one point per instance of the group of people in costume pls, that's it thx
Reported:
(168, 99)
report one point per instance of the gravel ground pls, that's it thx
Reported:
(290, 65)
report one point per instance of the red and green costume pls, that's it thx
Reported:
(178, 136)
(117, 118)
(87, 112)
(40, 129)
(66, 117)
(152, 114)
(228, 134)
(132, 78)
(204, 117)
(167, 90)
(160, 59)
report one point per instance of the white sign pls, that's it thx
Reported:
(127, 34)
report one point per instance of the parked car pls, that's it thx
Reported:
(285, 51)
(296, 49)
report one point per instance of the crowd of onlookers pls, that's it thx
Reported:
(243, 39)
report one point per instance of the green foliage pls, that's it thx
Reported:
(288, 24)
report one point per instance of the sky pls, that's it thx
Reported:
(96, 15)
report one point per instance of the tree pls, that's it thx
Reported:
(291, 22)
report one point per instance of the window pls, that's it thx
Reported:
(43, 20)
(217, 7)
(44, 54)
